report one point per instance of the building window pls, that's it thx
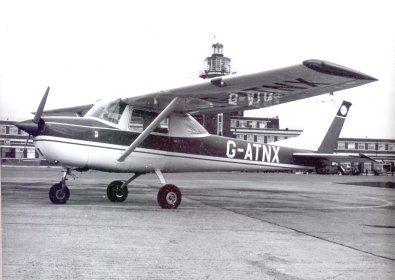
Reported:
(381, 147)
(240, 136)
(371, 146)
(3, 129)
(233, 123)
(19, 153)
(391, 147)
(262, 124)
(250, 137)
(253, 124)
(260, 138)
(31, 153)
(341, 145)
(351, 145)
(8, 152)
(270, 139)
(361, 146)
(242, 123)
(14, 131)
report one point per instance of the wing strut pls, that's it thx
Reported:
(169, 108)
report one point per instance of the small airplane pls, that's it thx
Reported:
(156, 133)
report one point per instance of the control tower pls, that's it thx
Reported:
(214, 66)
(217, 64)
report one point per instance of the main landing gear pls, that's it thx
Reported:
(117, 191)
(60, 193)
(169, 196)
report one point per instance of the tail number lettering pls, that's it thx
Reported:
(253, 152)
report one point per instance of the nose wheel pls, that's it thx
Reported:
(59, 194)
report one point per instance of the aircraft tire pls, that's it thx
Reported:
(169, 197)
(115, 193)
(56, 196)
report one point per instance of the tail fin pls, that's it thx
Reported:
(322, 138)
(329, 143)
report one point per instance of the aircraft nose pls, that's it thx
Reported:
(28, 126)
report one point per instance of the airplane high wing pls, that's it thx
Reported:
(244, 92)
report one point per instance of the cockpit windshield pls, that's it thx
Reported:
(108, 111)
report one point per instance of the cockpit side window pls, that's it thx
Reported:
(140, 120)
(176, 125)
(136, 123)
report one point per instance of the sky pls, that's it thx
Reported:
(88, 50)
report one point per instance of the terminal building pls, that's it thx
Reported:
(17, 148)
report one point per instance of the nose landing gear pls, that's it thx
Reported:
(59, 193)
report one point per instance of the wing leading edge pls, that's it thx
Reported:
(258, 90)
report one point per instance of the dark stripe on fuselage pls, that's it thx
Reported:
(214, 146)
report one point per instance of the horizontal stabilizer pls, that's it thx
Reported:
(334, 157)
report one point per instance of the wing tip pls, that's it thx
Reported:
(335, 69)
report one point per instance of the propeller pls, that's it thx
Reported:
(40, 108)
(34, 126)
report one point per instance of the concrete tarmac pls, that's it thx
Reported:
(228, 226)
